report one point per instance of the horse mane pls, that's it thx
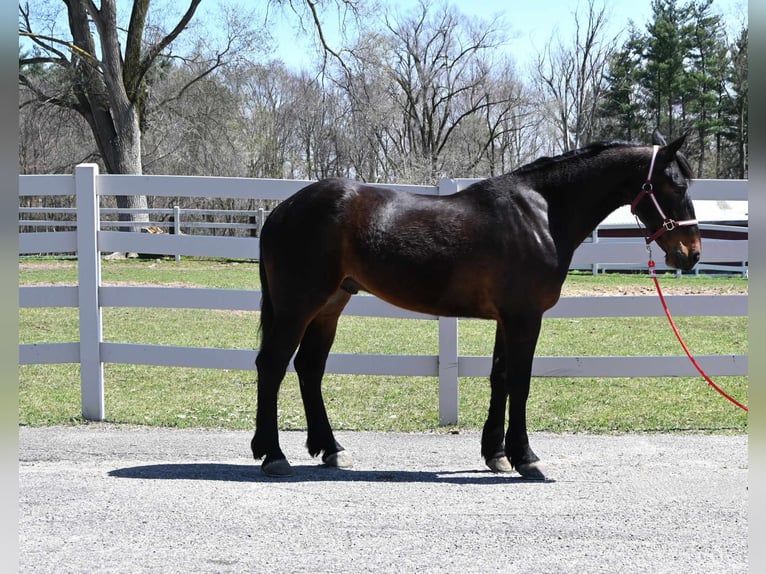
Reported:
(594, 149)
(587, 151)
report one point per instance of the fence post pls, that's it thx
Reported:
(89, 281)
(177, 226)
(594, 239)
(449, 390)
(261, 220)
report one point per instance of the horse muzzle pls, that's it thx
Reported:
(681, 251)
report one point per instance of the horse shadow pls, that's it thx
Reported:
(311, 473)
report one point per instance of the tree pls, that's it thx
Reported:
(196, 134)
(50, 138)
(704, 82)
(414, 96)
(738, 96)
(268, 119)
(109, 86)
(622, 114)
(574, 78)
(436, 77)
(667, 41)
(502, 124)
(683, 75)
(106, 87)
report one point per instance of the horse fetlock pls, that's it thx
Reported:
(256, 445)
(521, 455)
(527, 463)
(265, 448)
(322, 443)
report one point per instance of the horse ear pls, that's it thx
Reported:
(658, 138)
(670, 150)
(669, 153)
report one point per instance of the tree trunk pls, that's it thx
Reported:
(126, 143)
(123, 156)
(126, 159)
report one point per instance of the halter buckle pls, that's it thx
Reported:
(669, 225)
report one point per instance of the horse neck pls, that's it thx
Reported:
(584, 191)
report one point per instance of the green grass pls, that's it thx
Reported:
(50, 394)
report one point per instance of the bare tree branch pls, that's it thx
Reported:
(38, 39)
(35, 60)
(325, 47)
(218, 63)
(157, 49)
(26, 31)
(42, 97)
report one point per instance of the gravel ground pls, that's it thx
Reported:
(106, 498)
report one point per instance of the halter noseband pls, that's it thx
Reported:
(647, 189)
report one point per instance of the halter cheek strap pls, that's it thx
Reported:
(647, 189)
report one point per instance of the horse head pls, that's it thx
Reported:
(664, 206)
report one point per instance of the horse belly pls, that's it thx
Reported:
(432, 289)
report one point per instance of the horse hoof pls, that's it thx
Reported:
(530, 471)
(499, 464)
(277, 468)
(340, 459)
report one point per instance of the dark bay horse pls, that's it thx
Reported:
(499, 249)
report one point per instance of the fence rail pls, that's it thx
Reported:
(90, 240)
(715, 197)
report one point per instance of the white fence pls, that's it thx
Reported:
(89, 241)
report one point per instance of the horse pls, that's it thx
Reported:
(499, 249)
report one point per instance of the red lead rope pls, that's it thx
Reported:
(718, 389)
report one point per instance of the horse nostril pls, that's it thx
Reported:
(695, 257)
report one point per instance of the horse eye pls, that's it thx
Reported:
(678, 184)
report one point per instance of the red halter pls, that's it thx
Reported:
(647, 189)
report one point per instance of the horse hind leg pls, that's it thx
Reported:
(277, 347)
(310, 365)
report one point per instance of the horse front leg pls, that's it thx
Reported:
(521, 333)
(493, 433)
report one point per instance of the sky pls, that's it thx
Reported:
(530, 23)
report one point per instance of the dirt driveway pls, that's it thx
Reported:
(104, 498)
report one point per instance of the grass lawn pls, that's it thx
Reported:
(50, 394)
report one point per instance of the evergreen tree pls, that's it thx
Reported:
(682, 75)
(703, 82)
(731, 142)
(622, 113)
(667, 44)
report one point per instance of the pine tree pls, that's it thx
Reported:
(667, 44)
(735, 136)
(703, 83)
(622, 113)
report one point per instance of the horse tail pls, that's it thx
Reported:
(267, 307)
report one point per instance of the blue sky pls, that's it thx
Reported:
(530, 23)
